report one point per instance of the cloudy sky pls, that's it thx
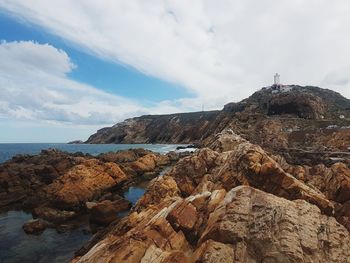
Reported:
(69, 67)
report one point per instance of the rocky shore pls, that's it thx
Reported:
(234, 202)
(270, 182)
(58, 187)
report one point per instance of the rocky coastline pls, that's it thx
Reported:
(58, 187)
(234, 202)
(269, 182)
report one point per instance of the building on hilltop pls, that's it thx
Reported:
(277, 87)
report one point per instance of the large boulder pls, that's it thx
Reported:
(83, 183)
(144, 164)
(264, 228)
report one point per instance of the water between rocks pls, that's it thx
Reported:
(50, 246)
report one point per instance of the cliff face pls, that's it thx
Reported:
(172, 128)
(273, 118)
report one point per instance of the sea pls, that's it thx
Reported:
(52, 245)
(8, 150)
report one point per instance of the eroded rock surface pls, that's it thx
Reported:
(56, 186)
(234, 203)
(249, 225)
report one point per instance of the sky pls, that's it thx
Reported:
(70, 67)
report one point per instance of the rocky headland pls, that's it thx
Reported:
(270, 182)
(308, 123)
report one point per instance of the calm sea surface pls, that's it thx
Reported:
(51, 246)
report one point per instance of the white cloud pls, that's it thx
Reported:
(221, 50)
(34, 86)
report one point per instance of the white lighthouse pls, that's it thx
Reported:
(276, 79)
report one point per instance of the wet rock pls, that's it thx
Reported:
(106, 212)
(54, 215)
(103, 213)
(34, 226)
(149, 175)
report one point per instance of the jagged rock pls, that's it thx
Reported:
(183, 216)
(151, 240)
(144, 164)
(34, 226)
(58, 186)
(263, 227)
(84, 182)
(243, 163)
(248, 226)
(158, 189)
(125, 156)
(39, 171)
(212, 252)
(209, 203)
(333, 181)
(189, 171)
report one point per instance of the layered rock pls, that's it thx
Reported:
(242, 163)
(247, 226)
(233, 203)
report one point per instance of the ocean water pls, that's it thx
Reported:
(8, 150)
(51, 246)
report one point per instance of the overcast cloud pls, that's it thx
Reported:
(220, 50)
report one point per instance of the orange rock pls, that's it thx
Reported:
(84, 182)
(212, 252)
(183, 216)
(144, 164)
(158, 189)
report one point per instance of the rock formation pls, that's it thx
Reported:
(234, 202)
(302, 123)
(57, 186)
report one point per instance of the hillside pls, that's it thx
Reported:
(172, 128)
(286, 118)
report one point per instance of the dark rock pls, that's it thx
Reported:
(34, 226)
(105, 212)
(76, 142)
(53, 215)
